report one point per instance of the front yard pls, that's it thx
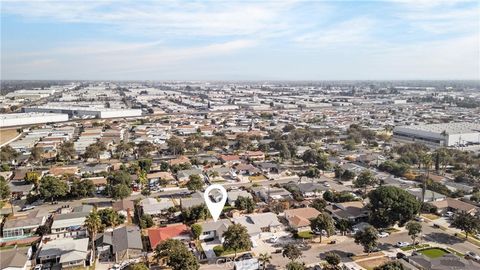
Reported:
(433, 252)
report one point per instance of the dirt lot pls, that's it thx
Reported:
(370, 264)
(7, 134)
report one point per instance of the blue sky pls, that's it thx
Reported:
(245, 40)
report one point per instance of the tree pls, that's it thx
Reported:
(343, 225)
(365, 179)
(137, 266)
(33, 178)
(175, 145)
(123, 148)
(467, 223)
(195, 182)
(291, 251)
(312, 172)
(93, 225)
(52, 188)
(414, 229)
(145, 165)
(176, 254)
(82, 188)
(264, 259)
(295, 266)
(94, 150)
(236, 238)
(120, 177)
(121, 191)
(66, 151)
(389, 205)
(144, 148)
(323, 222)
(196, 230)
(110, 218)
(146, 221)
(392, 265)
(333, 259)
(4, 189)
(245, 203)
(367, 238)
(7, 153)
(36, 154)
(195, 213)
(319, 204)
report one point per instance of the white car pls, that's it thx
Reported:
(472, 255)
(326, 184)
(402, 244)
(383, 234)
(38, 267)
(419, 219)
(273, 239)
(27, 207)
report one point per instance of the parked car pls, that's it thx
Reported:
(419, 219)
(38, 267)
(273, 239)
(27, 207)
(472, 255)
(401, 255)
(402, 244)
(383, 234)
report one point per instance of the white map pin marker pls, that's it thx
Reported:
(215, 207)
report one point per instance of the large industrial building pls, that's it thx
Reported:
(438, 135)
(23, 119)
(87, 112)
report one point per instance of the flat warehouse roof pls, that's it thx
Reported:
(449, 128)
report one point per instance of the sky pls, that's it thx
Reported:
(244, 40)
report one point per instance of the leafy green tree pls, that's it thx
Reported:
(467, 223)
(264, 259)
(414, 229)
(82, 188)
(236, 238)
(367, 238)
(475, 197)
(343, 225)
(175, 145)
(319, 204)
(144, 148)
(323, 222)
(94, 150)
(110, 218)
(196, 231)
(195, 182)
(36, 154)
(392, 265)
(245, 203)
(145, 165)
(364, 180)
(52, 188)
(66, 151)
(195, 213)
(93, 225)
(123, 148)
(120, 177)
(291, 251)
(292, 265)
(121, 191)
(7, 153)
(389, 205)
(333, 259)
(176, 254)
(146, 221)
(137, 266)
(164, 166)
(33, 178)
(4, 189)
(348, 175)
(312, 172)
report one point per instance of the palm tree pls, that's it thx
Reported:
(427, 163)
(93, 224)
(264, 258)
(444, 135)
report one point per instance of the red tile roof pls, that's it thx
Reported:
(157, 235)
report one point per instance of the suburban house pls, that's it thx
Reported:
(254, 155)
(213, 230)
(196, 199)
(71, 224)
(151, 206)
(174, 231)
(121, 244)
(23, 226)
(65, 252)
(257, 224)
(450, 204)
(430, 196)
(124, 207)
(157, 176)
(272, 193)
(233, 195)
(446, 262)
(299, 219)
(230, 159)
(354, 211)
(310, 189)
(184, 175)
(246, 169)
(15, 258)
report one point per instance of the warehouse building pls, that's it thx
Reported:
(437, 135)
(87, 112)
(31, 118)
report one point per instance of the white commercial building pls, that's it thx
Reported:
(23, 119)
(87, 112)
(437, 135)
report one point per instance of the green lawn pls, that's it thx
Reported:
(305, 234)
(433, 252)
(219, 251)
